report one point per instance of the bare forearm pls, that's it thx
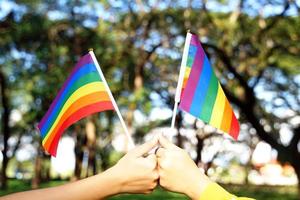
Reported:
(93, 188)
(134, 173)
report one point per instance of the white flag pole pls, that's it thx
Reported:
(181, 77)
(131, 143)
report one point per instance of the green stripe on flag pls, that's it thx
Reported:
(210, 99)
(190, 61)
(83, 80)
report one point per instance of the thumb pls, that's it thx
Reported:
(152, 158)
(144, 148)
(166, 143)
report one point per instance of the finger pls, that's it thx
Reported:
(152, 158)
(160, 152)
(161, 163)
(144, 148)
(158, 163)
(166, 143)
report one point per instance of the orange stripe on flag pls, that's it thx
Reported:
(184, 82)
(227, 116)
(79, 114)
(82, 102)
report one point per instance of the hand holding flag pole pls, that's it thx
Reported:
(131, 143)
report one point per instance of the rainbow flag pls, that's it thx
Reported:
(202, 94)
(83, 93)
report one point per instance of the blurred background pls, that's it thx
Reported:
(254, 47)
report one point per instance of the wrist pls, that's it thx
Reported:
(112, 179)
(198, 185)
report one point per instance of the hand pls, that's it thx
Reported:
(136, 173)
(132, 174)
(178, 172)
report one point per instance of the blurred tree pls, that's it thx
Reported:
(5, 127)
(139, 46)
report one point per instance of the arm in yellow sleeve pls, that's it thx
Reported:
(216, 192)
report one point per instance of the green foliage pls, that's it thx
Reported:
(157, 194)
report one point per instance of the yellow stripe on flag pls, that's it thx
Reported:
(187, 72)
(82, 91)
(218, 110)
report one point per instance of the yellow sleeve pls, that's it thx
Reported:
(216, 192)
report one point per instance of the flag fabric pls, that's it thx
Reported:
(83, 94)
(189, 62)
(202, 95)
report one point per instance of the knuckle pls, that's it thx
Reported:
(164, 164)
(151, 165)
(160, 174)
(154, 177)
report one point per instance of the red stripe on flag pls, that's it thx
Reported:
(235, 127)
(81, 113)
(80, 103)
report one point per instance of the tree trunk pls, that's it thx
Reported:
(37, 169)
(200, 142)
(78, 165)
(105, 150)
(90, 130)
(92, 161)
(296, 166)
(5, 129)
(199, 149)
(178, 125)
(79, 144)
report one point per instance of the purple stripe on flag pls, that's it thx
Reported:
(193, 79)
(84, 60)
(195, 41)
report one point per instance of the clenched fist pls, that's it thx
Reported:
(136, 173)
(178, 172)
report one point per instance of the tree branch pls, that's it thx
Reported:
(275, 20)
(295, 139)
(226, 60)
(258, 77)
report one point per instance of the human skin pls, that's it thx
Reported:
(178, 172)
(134, 173)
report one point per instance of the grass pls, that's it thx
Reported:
(257, 192)
(265, 192)
(159, 193)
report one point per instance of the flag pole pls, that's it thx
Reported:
(181, 77)
(131, 143)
